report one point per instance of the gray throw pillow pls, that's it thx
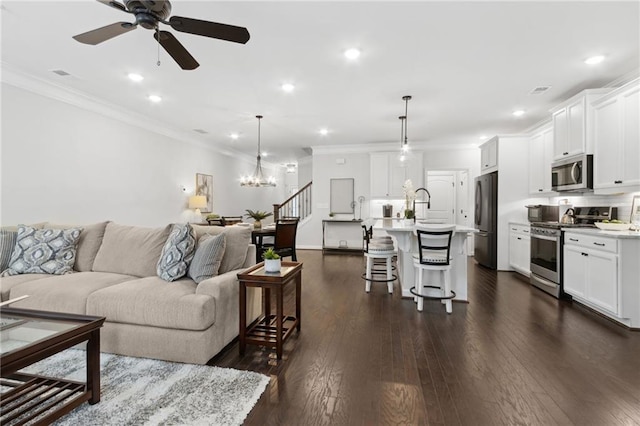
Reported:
(7, 243)
(206, 262)
(43, 251)
(177, 252)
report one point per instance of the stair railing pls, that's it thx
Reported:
(298, 205)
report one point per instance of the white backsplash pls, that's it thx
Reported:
(622, 202)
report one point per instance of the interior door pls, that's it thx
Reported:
(441, 186)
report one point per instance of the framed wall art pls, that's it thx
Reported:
(204, 186)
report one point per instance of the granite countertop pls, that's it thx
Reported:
(600, 233)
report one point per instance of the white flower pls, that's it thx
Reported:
(409, 192)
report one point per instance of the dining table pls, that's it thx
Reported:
(402, 232)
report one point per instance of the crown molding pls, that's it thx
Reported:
(14, 77)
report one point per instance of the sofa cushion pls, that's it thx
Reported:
(88, 244)
(206, 262)
(130, 250)
(7, 243)
(154, 302)
(237, 239)
(7, 283)
(177, 252)
(67, 293)
(48, 251)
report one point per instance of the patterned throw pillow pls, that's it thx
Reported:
(177, 252)
(7, 243)
(43, 251)
(208, 258)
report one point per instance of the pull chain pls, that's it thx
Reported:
(158, 36)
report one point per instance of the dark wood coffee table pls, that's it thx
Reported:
(28, 336)
(269, 330)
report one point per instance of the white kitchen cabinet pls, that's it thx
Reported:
(591, 271)
(520, 248)
(572, 124)
(540, 159)
(489, 156)
(388, 173)
(617, 141)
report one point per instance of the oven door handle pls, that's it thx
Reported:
(544, 237)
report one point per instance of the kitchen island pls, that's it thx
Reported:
(408, 243)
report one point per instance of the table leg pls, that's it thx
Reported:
(243, 317)
(93, 366)
(298, 310)
(267, 305)
(279, 315)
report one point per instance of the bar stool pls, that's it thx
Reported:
(434, 254)
(378, 251)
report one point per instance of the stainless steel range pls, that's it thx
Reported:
(546, 246)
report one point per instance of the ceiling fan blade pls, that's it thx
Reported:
(210, 29)
(176, 50)
(105, 33)
(115, 5)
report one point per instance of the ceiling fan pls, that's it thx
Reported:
(148, 14)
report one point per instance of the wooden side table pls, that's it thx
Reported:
(270, 330)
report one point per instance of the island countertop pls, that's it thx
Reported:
(400, 225)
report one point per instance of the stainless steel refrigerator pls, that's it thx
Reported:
(486, 220)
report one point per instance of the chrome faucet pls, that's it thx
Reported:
(422, 202)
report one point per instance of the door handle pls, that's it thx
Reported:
(599, 244)
(584, 254)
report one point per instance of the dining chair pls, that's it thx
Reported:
(284, 242)
(434, 254)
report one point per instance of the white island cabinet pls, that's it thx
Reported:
(407, 244)
(602, 271)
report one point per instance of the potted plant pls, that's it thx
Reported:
(213, 218)
(271, 260)
(257, 216)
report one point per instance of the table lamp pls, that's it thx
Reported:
(198, 202)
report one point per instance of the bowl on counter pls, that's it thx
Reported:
(613, 226)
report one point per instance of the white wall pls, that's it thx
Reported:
(356, 166)
(62, 163)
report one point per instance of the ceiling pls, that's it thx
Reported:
(467, 65)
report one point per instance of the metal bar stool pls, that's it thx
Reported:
(378, 251)
(434, 254)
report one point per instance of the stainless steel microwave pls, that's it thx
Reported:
(573, 174)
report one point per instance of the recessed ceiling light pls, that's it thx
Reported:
(234, 136)
(324, 132)
(518, 113)
(483, 137)
(594, 60)
(135, 77)
(288, 87)
(264, 154)
(155, 98)
(352, 53)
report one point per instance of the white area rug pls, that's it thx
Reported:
(140, 391)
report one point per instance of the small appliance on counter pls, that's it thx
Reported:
(547, 240)
(387, 211)
(542, 213)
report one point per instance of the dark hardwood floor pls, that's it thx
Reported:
(512, 355)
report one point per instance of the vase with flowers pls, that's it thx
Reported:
(409, 197)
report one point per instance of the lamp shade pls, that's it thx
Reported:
(197, 202)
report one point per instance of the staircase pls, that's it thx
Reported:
(298, 205)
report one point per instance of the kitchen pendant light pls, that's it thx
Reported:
(403, 151)
(405, 142)
(257, 179)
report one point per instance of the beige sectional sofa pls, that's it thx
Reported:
(145, 316)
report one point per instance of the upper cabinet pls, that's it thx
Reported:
(540, 158)
(572, 124)
(617, 140)
(489, 156)
(388, 173)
